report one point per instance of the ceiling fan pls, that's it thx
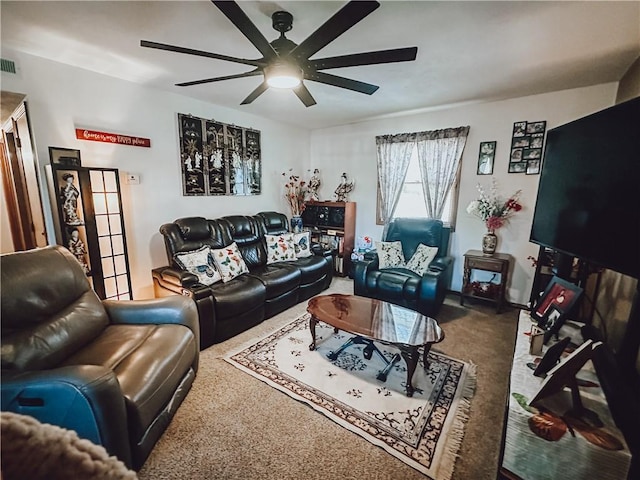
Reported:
(285, 64)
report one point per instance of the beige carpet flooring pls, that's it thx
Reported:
(233, 426)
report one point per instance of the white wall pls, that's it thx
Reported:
(61, 98)
(351, 149)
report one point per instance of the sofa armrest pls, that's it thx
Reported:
(360, 272)
(174, 276)
(317, 250)
(84, 398)
(176, 309)
(440, 264)
(434, 285)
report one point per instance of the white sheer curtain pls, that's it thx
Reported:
(394, 153)
(439, 154)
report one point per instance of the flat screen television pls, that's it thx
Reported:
(588, 206)
(588, 203)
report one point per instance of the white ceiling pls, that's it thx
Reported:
(467, 51)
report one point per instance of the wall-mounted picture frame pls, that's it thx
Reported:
(527, 142)
(486, 158)
(67, 157)
(218, 158)
(557, 300)
(536, 127)
(517, 167)
(533, 167)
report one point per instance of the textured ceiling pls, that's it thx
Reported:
(467, 51)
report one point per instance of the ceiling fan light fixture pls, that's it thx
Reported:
(283, 75)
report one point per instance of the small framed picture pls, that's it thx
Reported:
(519, 129)
(486, 158)
(520, 142)
(67, 157)
(536, 140)
(517, 167)
(560, 295)
(533, 167)
(536, 127)
(531, 153)
(516, 155)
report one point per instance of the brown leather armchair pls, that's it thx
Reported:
(113, 371)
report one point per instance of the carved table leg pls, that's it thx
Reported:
(425, 355)
(466, 277)
(410, 355)
(312, 326)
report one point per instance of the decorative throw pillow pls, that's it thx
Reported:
(200, 263)
(423, 256)
(229, 262)
(390, 254)
(302, 244)
(280, 248)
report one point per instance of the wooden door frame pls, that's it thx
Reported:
(16, 193)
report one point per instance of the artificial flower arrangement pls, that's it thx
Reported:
(492, 209)
(295, 192)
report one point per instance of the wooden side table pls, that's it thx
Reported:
(494, 292)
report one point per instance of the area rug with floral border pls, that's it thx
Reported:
(424, 431)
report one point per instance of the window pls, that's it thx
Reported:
(411, 203)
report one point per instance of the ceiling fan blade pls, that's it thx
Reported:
(237, 16)
(341, 82)
(219, 79)
(367, 58)
(256, 93)
(342, 21)
(200, 53)
(304, 95)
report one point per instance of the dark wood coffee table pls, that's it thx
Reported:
(374, 320)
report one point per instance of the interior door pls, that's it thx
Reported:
(20, 183)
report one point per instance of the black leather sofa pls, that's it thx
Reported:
(113, 371)
(226, 309)
(422, 293)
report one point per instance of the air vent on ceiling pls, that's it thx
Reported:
(8, 66)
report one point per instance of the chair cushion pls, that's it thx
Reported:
(146, 379)
(311, 268)
(280, 248)
(302, 244)
(201, 264)
(278, 278)
(395, 283)
(390, 254)
(420, 261)
(229, 262)
(240, 295)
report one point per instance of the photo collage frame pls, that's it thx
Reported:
(527, 143)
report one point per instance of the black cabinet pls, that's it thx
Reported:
(90, 224)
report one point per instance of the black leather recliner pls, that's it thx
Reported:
(226, 309)
(113, 371)
(424, 294)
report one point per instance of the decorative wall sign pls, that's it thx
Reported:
(96, 136)
(526, 147)
(218, 159)
(486, 158)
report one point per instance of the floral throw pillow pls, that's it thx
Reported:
(201, 264)
(423, 256)
(229, 262)
(390, 254)
(280, 248)
(302, 244)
